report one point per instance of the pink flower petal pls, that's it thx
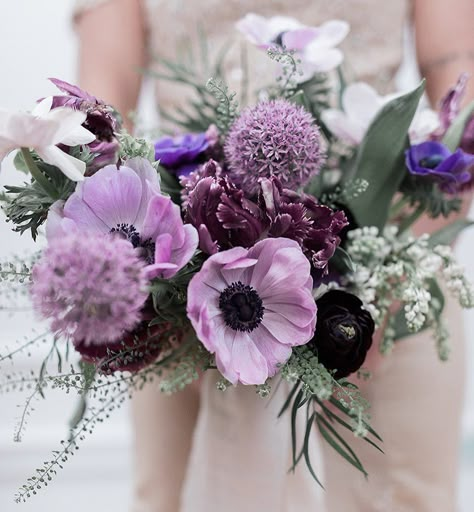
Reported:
(182, 255)
(114, 195)
(83, 216)
(285, 331)
(274, 352)
(296, 305)
(247, 361)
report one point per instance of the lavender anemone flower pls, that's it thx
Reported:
(250, 307)
(223, 216)
(181, 155)
(128, 202)
(101, 119)
(432, 159)
(90, 288)
(274, 138)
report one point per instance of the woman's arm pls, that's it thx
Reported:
(445, 49)
(112, 52)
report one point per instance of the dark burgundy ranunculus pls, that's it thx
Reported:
(343, 332)
(181, 154)
(133, 352)
(434, 160)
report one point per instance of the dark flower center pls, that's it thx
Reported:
(130, 233)
(432, 161)
(279, 39)
(242, 307)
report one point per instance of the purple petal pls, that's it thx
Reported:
(295, 305)
(73, 90)
(182, 255)
(247, 361)
(274, 352)
(78, 211)
(114, 195)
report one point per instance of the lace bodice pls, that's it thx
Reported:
(373, 47)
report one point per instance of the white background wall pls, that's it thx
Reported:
(36, 42)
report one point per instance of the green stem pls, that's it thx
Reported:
(407, 222)
(398, 207)
(38, 175)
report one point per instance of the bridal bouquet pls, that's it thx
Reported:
(266, 241)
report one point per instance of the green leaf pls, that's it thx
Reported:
(19, 163)
(453, 136)
(342, 261)
(338, 443)
(300, 99)
(448, 234)
(380, 159)
(400, 325)
(307, 459)
(288, 400)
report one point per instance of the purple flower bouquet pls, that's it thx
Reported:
(266, 242)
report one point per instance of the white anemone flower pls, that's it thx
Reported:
(42, 130)
(360, 104)
(314, 46)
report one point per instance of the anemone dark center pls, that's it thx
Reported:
(130, 233)
(241, 306)
(431, 162)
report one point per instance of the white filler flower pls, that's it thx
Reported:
(42, 130)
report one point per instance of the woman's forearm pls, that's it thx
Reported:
(112, 53)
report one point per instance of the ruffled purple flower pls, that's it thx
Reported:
(102, 120)
(317, 228)
(223, 216)
(90, 288)
(181, 155)
(432, 159)
(127, 202)
(275, 138)
(250, 307)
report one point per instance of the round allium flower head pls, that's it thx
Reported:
(249, 307)
(274, 138)
(90, 287)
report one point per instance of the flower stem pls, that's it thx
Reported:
(39, 177)
(408, 221)
(398, 206)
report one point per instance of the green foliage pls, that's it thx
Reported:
(201, 108)
(422, 193)
(453, 136)
(313, 386)
(448, 234)
(170, 295)
(27, 206)
(227, 108)
(169, 185)
(380, 159)
(131, 147)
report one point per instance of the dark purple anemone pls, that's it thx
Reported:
(432, 159)
(181, 154)
(102, 120)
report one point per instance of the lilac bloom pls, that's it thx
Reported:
(250, 307)
(181, 154)
(128, 202)
(435, 160)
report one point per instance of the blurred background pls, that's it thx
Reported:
(37, 42)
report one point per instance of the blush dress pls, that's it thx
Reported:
(227, 452)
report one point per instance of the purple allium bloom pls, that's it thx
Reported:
(127, 201)
(274, 138)
(223, 216)
(315, 227)
(102, 120)
(433, 159)
(90, 288)
(250, 307)
(181, 154)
